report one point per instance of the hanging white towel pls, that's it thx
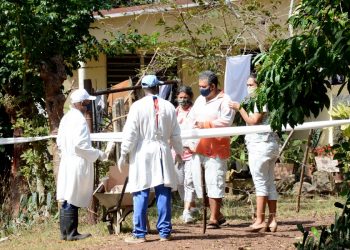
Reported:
(236, 76)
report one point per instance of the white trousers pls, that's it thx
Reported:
(185, 180)
(215, 175)
(262, 157)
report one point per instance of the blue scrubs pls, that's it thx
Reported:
(163, 201)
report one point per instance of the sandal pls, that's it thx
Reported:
(222, 220)
(213, 225)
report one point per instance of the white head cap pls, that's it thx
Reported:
(80, 95)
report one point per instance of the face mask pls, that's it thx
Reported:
(84, 107)
(205, 92)
(183, 102)
(251, 90)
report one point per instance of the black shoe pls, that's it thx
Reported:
(79, 236)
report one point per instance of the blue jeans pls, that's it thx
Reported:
(163, 201)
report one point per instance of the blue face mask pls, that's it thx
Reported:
(205, 91)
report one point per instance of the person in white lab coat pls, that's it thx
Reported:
(76, 172)
(151, 129)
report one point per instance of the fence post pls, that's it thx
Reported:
(118, 119)
(303, 168)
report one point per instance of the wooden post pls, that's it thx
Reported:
(303, 168)
(205, 198)
(118, 119)
(285, 144)
(92, 211)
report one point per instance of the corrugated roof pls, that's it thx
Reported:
(149, 8)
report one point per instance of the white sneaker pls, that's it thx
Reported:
(187, 217)
(134, 240)
(194, 210)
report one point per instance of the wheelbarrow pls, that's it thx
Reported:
(111, 194)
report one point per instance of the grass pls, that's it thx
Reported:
(237, 208)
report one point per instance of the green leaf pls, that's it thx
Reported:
(315, 232)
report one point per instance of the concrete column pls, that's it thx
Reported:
(81, 74)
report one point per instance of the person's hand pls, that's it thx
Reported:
(102, 156)
(199, 124)
(122, 162)
(234, 105)
(178, 159)
(187, 149)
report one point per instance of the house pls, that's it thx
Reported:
(108, 71)
(252, 28)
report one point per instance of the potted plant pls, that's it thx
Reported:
(291, 157)
(239, 156)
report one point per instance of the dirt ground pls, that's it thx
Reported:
(232, 235)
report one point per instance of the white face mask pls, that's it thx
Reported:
(251, 90)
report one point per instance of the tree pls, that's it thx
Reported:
(203, 36)
(40, 43)
(303, 64)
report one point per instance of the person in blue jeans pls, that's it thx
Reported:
(150, 131)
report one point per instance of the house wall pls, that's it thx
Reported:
(329, 135)
(145, 22)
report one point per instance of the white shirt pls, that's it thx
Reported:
(261, 137)
(215, 111)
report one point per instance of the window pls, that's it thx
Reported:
(123, 67)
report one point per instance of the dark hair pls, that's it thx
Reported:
(153, 90)
(185, 89)
(210, 76)
(253, 76)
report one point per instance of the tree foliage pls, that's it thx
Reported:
(40, 43)
(335, 236)
(203, 36)
(295, 72)
(33, 32)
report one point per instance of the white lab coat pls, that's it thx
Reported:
(76, 172)
(149, 146)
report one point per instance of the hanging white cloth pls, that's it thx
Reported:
(236, 75)
(100, 108)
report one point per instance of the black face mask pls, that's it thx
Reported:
(205, 91)
(183, 102)
(85, 107)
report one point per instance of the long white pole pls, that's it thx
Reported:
(194, 133)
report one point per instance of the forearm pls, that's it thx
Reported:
(253, 119)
